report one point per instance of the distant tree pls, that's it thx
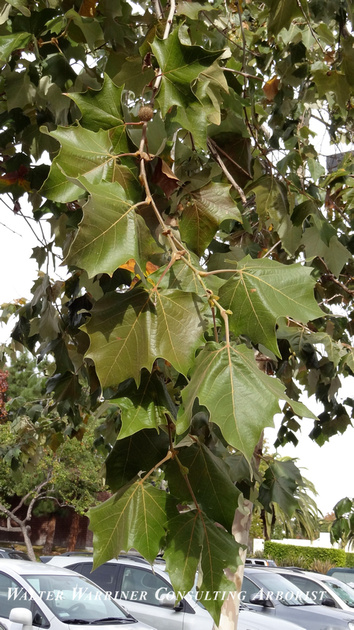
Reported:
(71, 477)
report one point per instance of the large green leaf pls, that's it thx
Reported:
(141, 451)
(14, 41)
(145, 407)
(59, 188)
(129, 331)
(110, 233)
(85, 154)
(193, 540)
(206, 475)
(241, 399)
(180, 65)
(203, 211)
(100, 109)
(189, 80)
(134, 518)
(263, 290)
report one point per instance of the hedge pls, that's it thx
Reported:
(349, 560)
(305, 556)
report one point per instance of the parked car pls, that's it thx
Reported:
(322, 589)
(46, 597)
(146, 592)
(265, 590)
(345, 574)
(260, 562)
(14, 554)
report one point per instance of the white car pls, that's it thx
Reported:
(322, 589)
(146, 592)
(40, 596)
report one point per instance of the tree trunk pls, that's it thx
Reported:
(240, 531)
(74, 532)
(28, 543)
(49, 541)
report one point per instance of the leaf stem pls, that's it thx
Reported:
(188, 483)
(169, 455)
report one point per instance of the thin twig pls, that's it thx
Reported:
(244, 74)
(218, 159)
(313, 33)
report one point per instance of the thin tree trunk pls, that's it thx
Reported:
(240, 530)
(28, 543)
(74, 532)
(49, 541)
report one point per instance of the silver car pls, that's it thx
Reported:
(322, 589)
(146, 592)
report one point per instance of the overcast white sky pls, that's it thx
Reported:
(329, 467)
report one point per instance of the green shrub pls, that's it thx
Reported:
(349, 560)
(304, 557)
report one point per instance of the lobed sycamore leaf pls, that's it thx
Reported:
(263, 290)
(11, 42)
(87, 155)
(101, 109)
(130, 331)
(134, 518)
(180, 65)
(110, 233)
(240, 398)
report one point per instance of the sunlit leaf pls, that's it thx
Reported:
(129, 331)
(263, 290)
(101, 109)
(85, 154)
(9, 43)
(110, 233)
(134, 518)
(227, 380)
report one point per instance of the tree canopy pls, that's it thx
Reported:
(208, 248)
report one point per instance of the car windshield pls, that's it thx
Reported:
(280, 589)
(345, 592)
(74, 599)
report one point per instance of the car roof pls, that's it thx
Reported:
(313, 575)
(159, 565)
(27, 567)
